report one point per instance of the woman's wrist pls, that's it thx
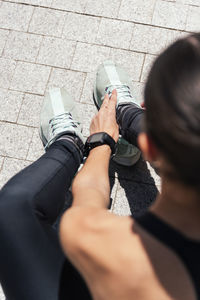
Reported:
(105, 149)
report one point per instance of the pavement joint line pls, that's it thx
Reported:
(154, 6)
(20, 108)
(187, 16)
(194, 5)
(41, 95)
(40, 64)
(12, 157)
(4, 29)
(31, 161)
(9, 32)
(30, 20)
(64, 23)
(29, 145)
(100, 20)
(84, 81)
(73, 55)
(142, 68)
(17, 124)
(46, 87)
(129, 48)
(13, 72)
(22, 31)
(1, 167)
(117, 17)
(63, 27)
(25, 92)
(39, 48)
(90, 15)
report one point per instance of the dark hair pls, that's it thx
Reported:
(172, 100)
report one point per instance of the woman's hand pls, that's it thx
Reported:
(105, 120)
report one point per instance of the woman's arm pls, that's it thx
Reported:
(91, 186)
(91, 189)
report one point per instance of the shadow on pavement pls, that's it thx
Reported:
(138, 184)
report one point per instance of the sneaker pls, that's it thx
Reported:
(109, 77)
(59, 117)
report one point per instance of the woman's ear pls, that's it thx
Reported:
(147, 147)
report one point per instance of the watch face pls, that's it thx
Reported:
(96, 138)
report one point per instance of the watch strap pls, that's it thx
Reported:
(103, 139)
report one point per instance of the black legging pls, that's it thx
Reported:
(32, 265)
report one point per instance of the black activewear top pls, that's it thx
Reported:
(187, 249)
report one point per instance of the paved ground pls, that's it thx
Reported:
(46, 43)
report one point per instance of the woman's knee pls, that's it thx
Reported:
(13, 198)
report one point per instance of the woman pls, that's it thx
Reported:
(151, 257)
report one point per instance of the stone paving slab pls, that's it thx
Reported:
(36, 148)
(137, 11)
(193, 19)
(56, 52)
(10, 105)
(30, 114)
(74, 6)
(149, 60)
(3, 38)
(124, 57)
(81, 28)
(60, 43)
(30, 78)
(88, 56)
(22, 46)
(15, 16)
(71, 80)
(7, 68)
(122, 31)
(170, 15)
(15, 140)
(104, 8)
(11, 166)
(47, 22)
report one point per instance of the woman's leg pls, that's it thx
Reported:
(130, 118)
(31, 260)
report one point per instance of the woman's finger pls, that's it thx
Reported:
(105, 102)
(113, 100)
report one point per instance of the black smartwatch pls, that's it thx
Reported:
(99, 139)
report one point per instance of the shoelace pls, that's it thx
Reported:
(123, 91)
(63, 121)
